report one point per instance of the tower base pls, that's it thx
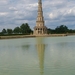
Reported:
(40, 30)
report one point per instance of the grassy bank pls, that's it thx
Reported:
(30, 36)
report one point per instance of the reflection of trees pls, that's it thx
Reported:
(25, 47)
(40, 50)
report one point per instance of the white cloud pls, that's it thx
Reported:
(3, 13)
(13, 8)
(3, 1)
(53, 15)
(31, 6)
(56, 12)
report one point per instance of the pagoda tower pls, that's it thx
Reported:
(40, 28)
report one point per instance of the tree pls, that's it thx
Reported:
(48, 30)
(28, 29)
(22, 27)
(4, 31)
(9, 31)
(61, 29)
(25, 29)
(16, 30)
(71, 31)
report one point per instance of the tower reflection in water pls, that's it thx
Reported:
(40, 49)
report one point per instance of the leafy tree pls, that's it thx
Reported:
(25, 29)
(61, 29)
(9, 31)
(4, 31)
(16, 30)
(71, 31)
(22, 27)
(48, 30)
(1, 34)
(28, 29)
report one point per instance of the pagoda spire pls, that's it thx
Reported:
(40, 28)
(40, 17)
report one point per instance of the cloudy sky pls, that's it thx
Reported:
(56, 12)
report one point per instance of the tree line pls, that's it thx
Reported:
(23, 29)
(26, 30)
(62, 29)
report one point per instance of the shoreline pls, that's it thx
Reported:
(31, 36)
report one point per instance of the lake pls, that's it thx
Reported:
(38, 56)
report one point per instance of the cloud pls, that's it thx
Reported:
(56, 12)
(3, 13)
(12, 8)
(62, 12)
(3, 2)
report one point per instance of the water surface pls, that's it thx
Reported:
(38, 56)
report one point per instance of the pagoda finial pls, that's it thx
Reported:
(39, 1)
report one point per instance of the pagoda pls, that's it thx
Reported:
(40, 28)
